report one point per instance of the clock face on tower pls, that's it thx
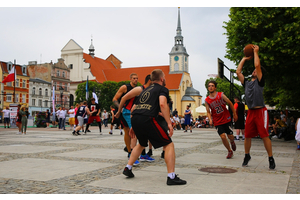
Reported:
(176, 58)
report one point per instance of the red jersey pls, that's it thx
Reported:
(220, 114)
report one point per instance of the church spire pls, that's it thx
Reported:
(178, 55)
(178, 37)
(92, 49)
(178, 30)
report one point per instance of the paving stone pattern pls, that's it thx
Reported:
(49, 161)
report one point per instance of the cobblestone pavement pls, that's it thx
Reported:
(62, 146)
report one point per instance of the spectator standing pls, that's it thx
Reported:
(71, 113)
(187, 119)
(175, 112)
(240, 123)
(6, 117)
(23, 120)
(105, 118)
(47, 118)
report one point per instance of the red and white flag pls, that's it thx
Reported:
(11, 76)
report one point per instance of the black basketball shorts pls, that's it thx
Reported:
(152, 129)
(224, 128)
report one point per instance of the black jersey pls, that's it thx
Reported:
(81, 111)
(93, 107)
(129, 103)
(148, 101)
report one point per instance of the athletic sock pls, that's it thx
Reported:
(171, 175)
(143, 152)
(237, 137)
(99, 124)
(87, 127)
(129, 167)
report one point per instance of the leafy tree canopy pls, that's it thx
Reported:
(277, 33)
(105, 92)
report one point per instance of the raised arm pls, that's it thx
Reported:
(257, 62)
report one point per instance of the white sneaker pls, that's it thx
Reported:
(19, 133)
(100, 133)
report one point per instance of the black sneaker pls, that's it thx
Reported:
(78, 133)
(125, 149)
(73, 132)
(246, 160)
(175, 181)
(127, 172)
(272, 163)
(88, 131)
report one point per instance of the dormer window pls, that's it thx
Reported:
(24, 69)
(9, 66)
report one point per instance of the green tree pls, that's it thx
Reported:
(224, 86)
(105, 92)
(277, 32)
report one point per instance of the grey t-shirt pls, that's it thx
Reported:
(254, 93)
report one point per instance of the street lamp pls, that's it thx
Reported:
(61, 95)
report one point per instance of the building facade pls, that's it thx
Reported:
(20, 87)
(61, 83)
(40, 96)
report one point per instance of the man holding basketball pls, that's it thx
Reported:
(257, 117)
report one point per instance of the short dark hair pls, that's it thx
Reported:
(92, 99)
(236, 98)
(147, 78)
(213, 82)
(156, 74)
(84, 103)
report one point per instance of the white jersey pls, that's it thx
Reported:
(298, 126)
(72, 115)
(6, 113)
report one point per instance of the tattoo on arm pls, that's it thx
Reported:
(116, 103)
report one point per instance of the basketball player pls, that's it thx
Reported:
(219, 115)
(145, 126)
(257, 118)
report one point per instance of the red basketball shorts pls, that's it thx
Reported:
(257, 123)
(92, 118)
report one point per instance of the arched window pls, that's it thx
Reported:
(57, 73)
(33, 90)
(46, 92)
(40, 91)
(176, 67)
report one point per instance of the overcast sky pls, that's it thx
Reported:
(138, 36)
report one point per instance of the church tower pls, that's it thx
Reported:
(179, 58)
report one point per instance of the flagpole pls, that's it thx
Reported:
(15, 82)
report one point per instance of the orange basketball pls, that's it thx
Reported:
(248, 50)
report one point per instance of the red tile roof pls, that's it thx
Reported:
(104, 70)
(18, 69)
